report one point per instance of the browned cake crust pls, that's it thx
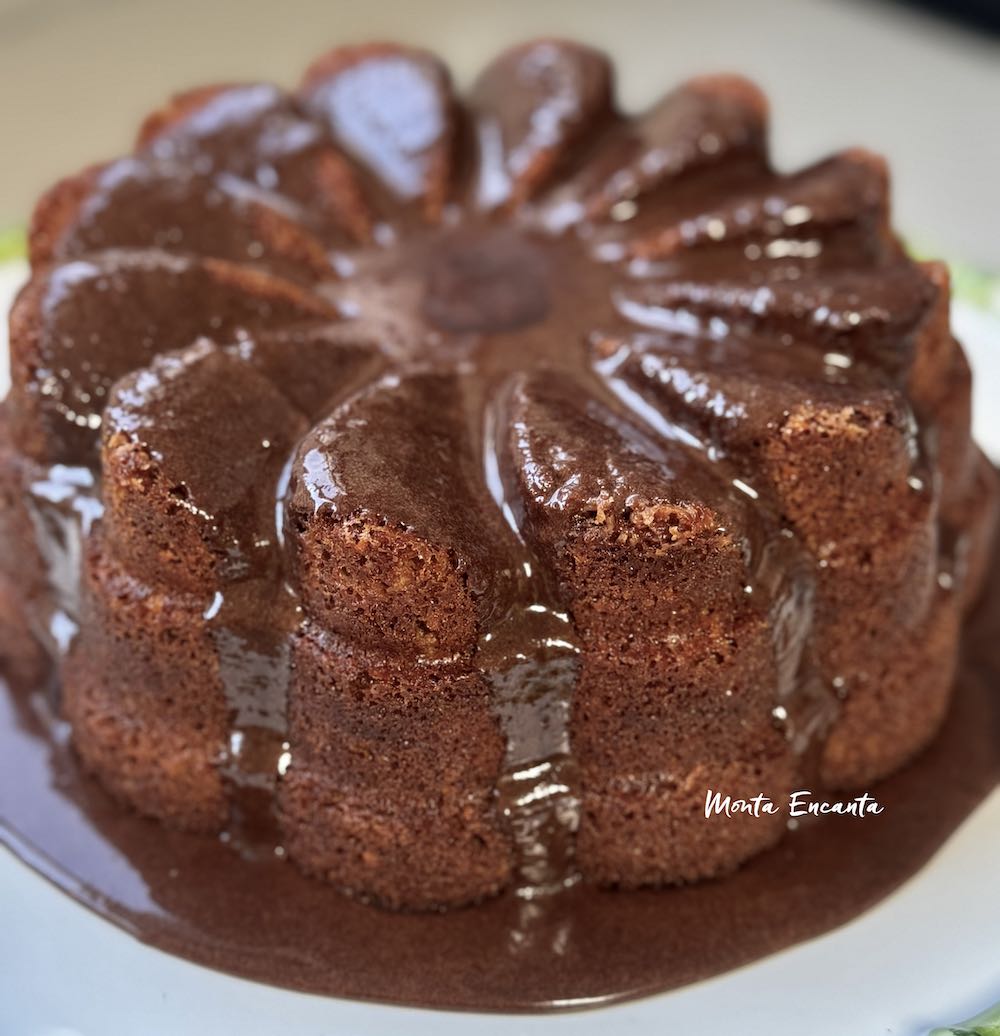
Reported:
(448, 494)
(392, 791)
(143, 693)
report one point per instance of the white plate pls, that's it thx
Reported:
(925, 956)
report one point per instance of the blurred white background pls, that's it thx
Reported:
(77, 75)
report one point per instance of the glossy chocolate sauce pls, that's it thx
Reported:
(473, 325)
(195, 897)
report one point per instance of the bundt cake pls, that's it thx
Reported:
(448, 493)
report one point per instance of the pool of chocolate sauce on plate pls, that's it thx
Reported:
(259, 918)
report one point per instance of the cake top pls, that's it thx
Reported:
(459, 307)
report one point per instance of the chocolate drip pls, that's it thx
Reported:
(529, 652)
(250, 621)
(64, 503)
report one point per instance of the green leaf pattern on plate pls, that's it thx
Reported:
(985, 1024)
(12, 245)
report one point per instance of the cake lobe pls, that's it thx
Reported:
(251, 130)
(259, 133)
(872, 315)
(532, 105)
(707, 124)
(835, 211)
(391, 109)
(666, 575)
(193, 446)
(142, 202)
(588, 473)
(398, 543)
(86, 322)
(729, 388)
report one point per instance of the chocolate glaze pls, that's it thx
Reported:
(192, 896)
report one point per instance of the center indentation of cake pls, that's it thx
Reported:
(486, 282)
